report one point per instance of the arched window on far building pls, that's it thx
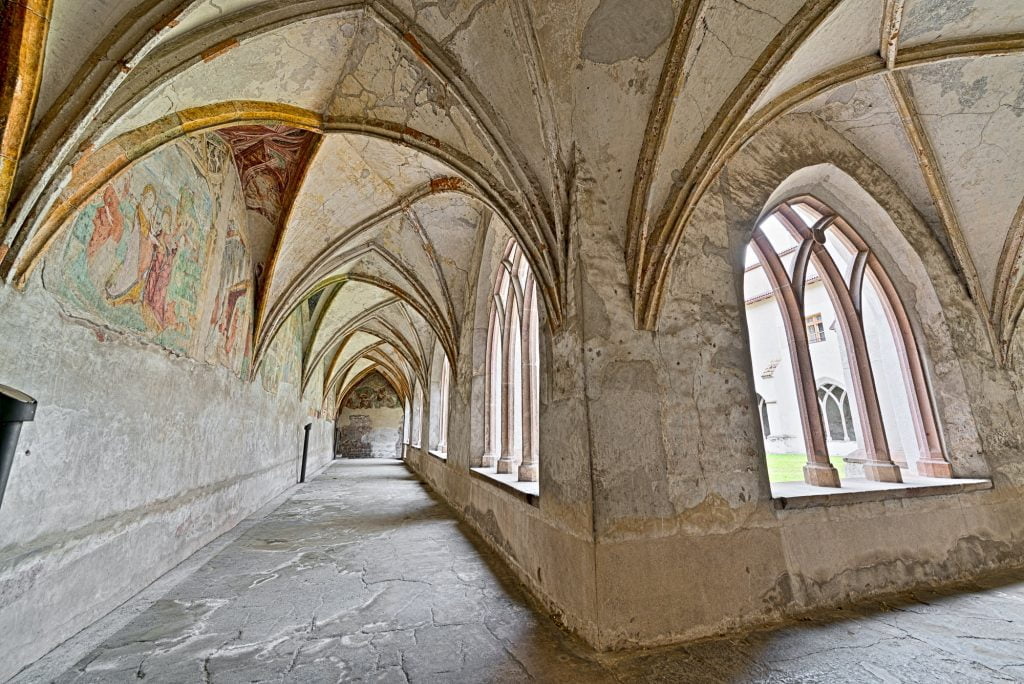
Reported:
(835, 409)
(513, 371)
(762, 410)
(820, 305)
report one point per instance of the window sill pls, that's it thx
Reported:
(792, 495)
(526, 491)
(439, 455)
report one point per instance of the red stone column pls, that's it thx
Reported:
(818, 470)
(879, 465)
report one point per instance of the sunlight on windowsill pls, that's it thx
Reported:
(789, 495)
(528, 491)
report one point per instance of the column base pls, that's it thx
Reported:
(933, 468)
(821, 475)
(505, 466)
(488, 460)
(528, 473)
(880, 471)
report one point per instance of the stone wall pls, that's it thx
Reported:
(136, 459)
(655, 521)
(687, 538)
(150, 439)
(371, 420)
(549, 543)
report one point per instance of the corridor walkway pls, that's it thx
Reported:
(364, 575)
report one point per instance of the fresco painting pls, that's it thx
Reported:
(371, 420)
(372, 392)
(230, 323)
(161, 251)
(269, 160)
(282, 362)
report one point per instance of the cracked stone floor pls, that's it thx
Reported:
(364, 575)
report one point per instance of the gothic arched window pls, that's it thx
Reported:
(442, 419)
(440, 389)
(513, 372)
(808, 271)
(416, 438)
(835, 409)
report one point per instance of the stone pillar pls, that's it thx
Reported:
(506, 462)
(528, 354)
(818, 470)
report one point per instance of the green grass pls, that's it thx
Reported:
(790, 467)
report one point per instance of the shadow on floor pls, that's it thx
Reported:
(365, 574)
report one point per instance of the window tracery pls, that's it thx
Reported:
(835, 408)
(802, 254)
(513, 372)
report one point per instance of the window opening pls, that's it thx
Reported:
(804, 258)
(513, 377)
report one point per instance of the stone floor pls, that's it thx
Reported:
(363, 575)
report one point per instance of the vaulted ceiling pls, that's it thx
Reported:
(410, 125)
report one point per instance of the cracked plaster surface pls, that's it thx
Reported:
(363, 575)
(350, 180)
(78, 29)
(864, 113)
(297, 64)
(849, 32)
(973, 113)
(925, 21)
(729, 37)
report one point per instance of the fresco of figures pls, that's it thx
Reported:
(161, 251)
(372, 392)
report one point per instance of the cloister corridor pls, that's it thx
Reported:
(363, 574)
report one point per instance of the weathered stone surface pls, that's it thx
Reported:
(136, 459)
(629, 147)
(370, 422)
(363, 575)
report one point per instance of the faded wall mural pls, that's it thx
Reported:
(269, 161)
(372, 393)
(371, 420)
(282, 361)
(162, 251)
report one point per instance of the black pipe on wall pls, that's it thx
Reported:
(305, 452)
(15, 408)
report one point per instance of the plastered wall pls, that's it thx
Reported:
(150, 438)
(371, 420)
(135, 460)
(671, 534)
(687, 540)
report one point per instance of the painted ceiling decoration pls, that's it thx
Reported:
(269, 159)
(375, 140)
(270, 162)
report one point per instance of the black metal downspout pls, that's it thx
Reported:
(15, 408)
(305, 452)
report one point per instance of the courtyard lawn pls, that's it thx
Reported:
(790, 467)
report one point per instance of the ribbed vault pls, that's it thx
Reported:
(427, 116)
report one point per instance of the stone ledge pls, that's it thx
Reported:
(526, 491)
(793, 495)
(439, 455)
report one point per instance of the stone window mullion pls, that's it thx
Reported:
(818, 470)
